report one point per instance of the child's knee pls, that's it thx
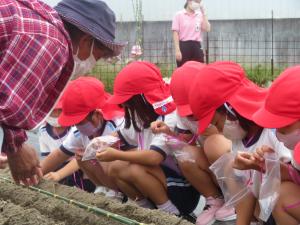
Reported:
(187, 166)
(288, 191)
(115, 169)
(215, 146)
(136, 171)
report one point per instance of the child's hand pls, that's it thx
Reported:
(158, 127)
(245, 161)
(259, 156)
(79, 154)
(107, 155)
(53, 176)
(260, 152)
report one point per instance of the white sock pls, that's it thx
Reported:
(169, 207)
(145, 203)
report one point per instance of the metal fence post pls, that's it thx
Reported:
(272, 59)
(207, 48)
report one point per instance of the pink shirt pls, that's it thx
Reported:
(188, 25)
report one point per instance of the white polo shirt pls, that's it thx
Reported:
(49, 141)
(185, 126)
(146, 140)
(267, 138)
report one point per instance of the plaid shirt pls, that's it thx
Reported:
(36, 63)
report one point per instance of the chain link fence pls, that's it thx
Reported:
(263, 59)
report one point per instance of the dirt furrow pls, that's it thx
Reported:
(68, 214)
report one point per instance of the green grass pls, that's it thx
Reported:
(260, 74)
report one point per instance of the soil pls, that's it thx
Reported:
(22, 206)
(14, 215)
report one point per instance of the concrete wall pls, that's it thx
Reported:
(245, 41)
(158, 10)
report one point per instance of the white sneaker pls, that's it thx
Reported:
(100, 190)
(225, 214)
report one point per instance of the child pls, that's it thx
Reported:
(281, 111)
(243, 98)
(152, 172)
(84, 106)
(196, 172)
(52, 134)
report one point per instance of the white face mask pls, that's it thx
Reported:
(195, 6)
(233, 130)
(289, 140)
(81, 67)
(88, 128)
(53, 121)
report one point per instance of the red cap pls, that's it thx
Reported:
(282, 105)
(248, 99)
(82, 96)
(297, 153)
(214, 85)
(181, 81)
(143, 78)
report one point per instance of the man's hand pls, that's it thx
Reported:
(107, 155)
(25, 166)
(3, 161)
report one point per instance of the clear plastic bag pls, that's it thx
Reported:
(98, 144)
(178, 148)
(236, 184)
(233, 183)
(270, 186)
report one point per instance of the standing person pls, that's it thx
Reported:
(36, 62)
(188, 26)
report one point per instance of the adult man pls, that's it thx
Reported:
(36, 62)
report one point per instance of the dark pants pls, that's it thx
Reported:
(270, 221)
(183, 195)
(190, 51)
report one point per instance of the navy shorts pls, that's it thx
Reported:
(182, 194)
(77, 180)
